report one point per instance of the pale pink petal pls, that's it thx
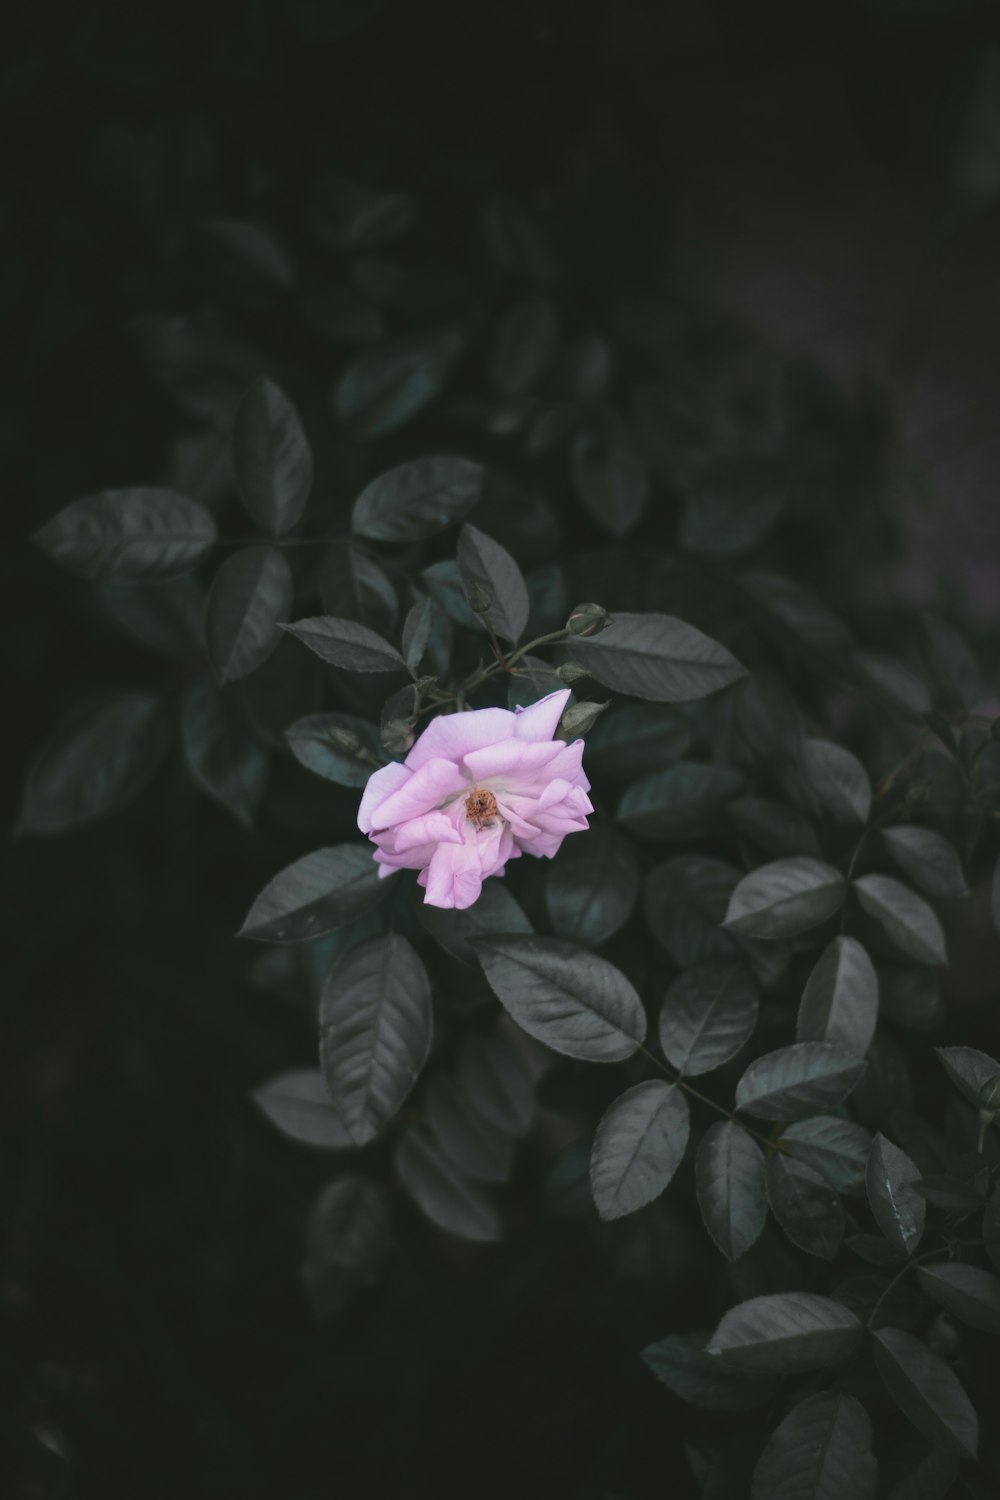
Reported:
(421, 793)
(454, 876)
(555, 792)
(435, 828)
(513, 760)
(450, 736)
(381, 784)
(539, 721)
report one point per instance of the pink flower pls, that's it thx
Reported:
(476, 790)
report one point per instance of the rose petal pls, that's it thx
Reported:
(381, 784)
(514, 760)
(423, 791)
(539, 721)
(451, 736)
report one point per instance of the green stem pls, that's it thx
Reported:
(682, 1083)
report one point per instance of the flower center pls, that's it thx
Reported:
(481, 808)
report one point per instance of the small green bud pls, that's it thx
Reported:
(989, 1095)
(571, 672)
(480, 599)
(347, 740)
(397, 736)
(579, 719)
(587, 619)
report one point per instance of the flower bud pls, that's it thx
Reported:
(571, 672)
(579, 719)
(587, 619)
(480, 599)
(397, 736)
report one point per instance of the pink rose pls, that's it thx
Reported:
(476, 790)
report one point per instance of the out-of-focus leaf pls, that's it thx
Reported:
(354, 587)
(96, 764)
(138, 534)
(592, 885)
(838, 779)
(338, 747)
(167, 617)
(683, 802)
(526, 342)
(927, 1391)
(610, 476)
(448, 1199)
(905, 918)
(387, 386)
(684, 901)
(348, 1240)
(250, 595)
(417, 499)
(222, 757)
(298, 1104)
(926, 858)
(272, 458)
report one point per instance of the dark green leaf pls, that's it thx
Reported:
(971, 1294)
(222, 757)
(732, 508)
(837, 1149)
(872, 1249)
(991, 1228)
(476, 1146)
(680, 803)
(639, 1145)
(822, 1450)
(250, 595)
(298, 1104)
(898, 1208)
(441, 1193)
(775, 827)
(417, 631)
(656, 657)
(167, 617)
(354, 587)
(315, 895)
(514, 238)
(484, 563)
(681, 1362)
(786, 1333)
(636, 738)
(684, 901)
(386, 387)
(338, 747)
(927, 859)
(443, 582)
(838, 779)
(905, 918)
(708, 1014)
(417, 499)
(138, 534)
(840, 1001)
(100, 761)
(785, 898)
(807, 1078)
(573, 1001)
(804, 618)
(911, 997)
(732, 1187)
(927, 1391)
(348, 1239)
(344, 643)
(610, 476)
(931, 1479)
(953, 666)
(493, 1075)
(969, 1069)
(496, 911)
(894, 682)
(375, 1028)
(345, 216)
(806, 1207)
(525, 344)
(272, 458)
(592, 886)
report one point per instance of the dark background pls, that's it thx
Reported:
(828, 176)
